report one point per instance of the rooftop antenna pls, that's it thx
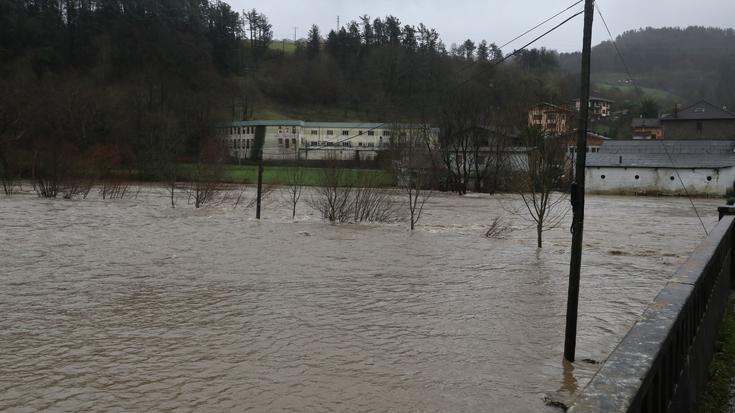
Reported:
(294, 34)
(338, 22)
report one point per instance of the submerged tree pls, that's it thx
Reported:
(412, 166)
(541, 179)
(294, 186)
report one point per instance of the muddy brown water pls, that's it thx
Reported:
(130, 305)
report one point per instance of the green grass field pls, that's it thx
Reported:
(722, 369)
(656, 94)
(279, 175)
(288, 47)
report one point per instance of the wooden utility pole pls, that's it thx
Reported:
(260, 133)
(577, 190)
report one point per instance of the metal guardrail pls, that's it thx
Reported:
(661, 365)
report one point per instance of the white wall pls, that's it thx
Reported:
(658, 180)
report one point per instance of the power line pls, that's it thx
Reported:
(663, 145)
(615, 44)
(540, 24)
(492, 64)
(526, 32)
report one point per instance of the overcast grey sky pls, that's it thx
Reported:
(494, 20)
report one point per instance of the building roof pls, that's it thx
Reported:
(701, 110)
(553, 106)
(353, 125)
(334, 125)
(646, 123)
(684, 154)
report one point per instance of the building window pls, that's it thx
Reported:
(345, 132)
(386, 133)
(359, 144)
(287, 141)
(371, 133)
(314, 143)
(280, 141)
(345, 144)
(293, 130)
(330, 132)
(699, 126)
(314, 132)
(247, 143)
(293, 141)
(370, 144)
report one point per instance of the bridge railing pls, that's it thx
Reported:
(661, 365)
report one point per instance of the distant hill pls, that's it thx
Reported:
(675, 65)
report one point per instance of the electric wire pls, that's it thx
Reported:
(663, 145)
(525, 33)
(491, 64)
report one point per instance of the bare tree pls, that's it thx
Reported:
(412, 167)
(332, 196)
(540, 181)
(344, 196)
(206, 175)
(294, 186)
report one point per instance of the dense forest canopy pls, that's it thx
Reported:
(691, 63)
(142, 83)
(147, 80)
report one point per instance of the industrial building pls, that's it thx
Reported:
(679, 167)
(295, 139)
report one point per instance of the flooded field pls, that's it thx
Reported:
(131, 305)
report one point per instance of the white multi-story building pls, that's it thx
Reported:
(599, 107)
(295, 139)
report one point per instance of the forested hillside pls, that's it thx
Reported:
(107, 84)
(690, 63)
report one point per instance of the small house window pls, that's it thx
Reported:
(345, 132)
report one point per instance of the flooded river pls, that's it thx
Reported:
(131, 305)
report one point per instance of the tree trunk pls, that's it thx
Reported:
(539, 233)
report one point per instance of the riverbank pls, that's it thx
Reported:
(283, 175)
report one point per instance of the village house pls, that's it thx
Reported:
(678, 167)
(553, 119)
(701, 120)
(599, 107)
(646, 128)
(295, 139)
